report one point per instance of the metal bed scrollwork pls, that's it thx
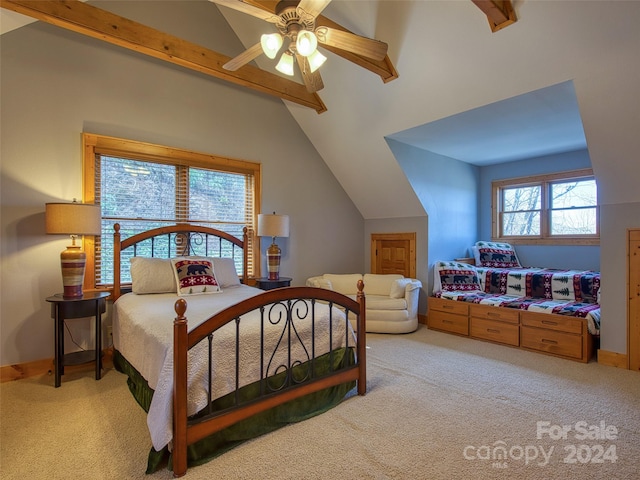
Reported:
(283, 347)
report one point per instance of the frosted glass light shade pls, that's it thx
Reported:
(271, 43)
(316, 59)
(306, 43)
(285, 65)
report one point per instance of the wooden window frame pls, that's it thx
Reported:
(94, 144)
(545, 237)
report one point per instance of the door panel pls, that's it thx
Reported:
(394, 253)
(393, 257)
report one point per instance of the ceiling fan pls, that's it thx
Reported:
(296, 24)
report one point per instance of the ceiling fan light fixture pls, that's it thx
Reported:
(285, 65)
(306, 43)
(316, 59)
(271, 43)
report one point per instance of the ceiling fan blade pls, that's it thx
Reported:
(240, 6)
(313, 7)
(313, 81)
(244, 58)
(351, 42)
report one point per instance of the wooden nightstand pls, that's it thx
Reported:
(91, 304)
(266, 284)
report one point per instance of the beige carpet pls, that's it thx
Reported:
(436, 408)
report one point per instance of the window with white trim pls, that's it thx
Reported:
(559, 208)
(141, 187)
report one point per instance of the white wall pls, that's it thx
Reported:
(56, 84)
(449, 62)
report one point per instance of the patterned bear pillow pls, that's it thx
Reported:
(194, 276)
(457, 277)
(496, 255)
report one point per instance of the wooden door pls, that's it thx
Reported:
(394, 253)
(633, 308)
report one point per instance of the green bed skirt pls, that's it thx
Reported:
(265, 422)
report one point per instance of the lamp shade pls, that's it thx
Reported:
(316, 59)
(285, 65)
(271, 44)
(73, 219)
(272, 225)
(306, 43)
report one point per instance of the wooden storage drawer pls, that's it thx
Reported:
(450, 306)
(551, 341)
(552, 322)
(495, 313)
(448, 322)
(500, 332)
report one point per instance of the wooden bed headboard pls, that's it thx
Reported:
(176, 241)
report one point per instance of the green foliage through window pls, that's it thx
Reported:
(141, 195)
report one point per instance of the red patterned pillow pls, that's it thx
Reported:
(496, 255)
(194, 276)
(457, 277)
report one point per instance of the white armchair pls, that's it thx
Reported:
(392, 300)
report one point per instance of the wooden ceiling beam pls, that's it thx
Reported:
(500, 13)
(88, 20)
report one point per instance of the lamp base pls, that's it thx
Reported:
(273, 261)
(72, 262)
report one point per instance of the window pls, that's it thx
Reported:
(553, 209)
(143, 186)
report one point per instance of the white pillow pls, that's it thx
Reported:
(398, 287)
(225, 271)
(194, 276)
(152, 275)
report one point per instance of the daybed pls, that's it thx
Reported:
(392, 300)
(546, 310)
(244, 363)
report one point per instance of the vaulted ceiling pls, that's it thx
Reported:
(80, 17)
(450, 60)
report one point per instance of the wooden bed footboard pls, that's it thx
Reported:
(338, 368)
(187, 432)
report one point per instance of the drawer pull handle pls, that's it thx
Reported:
(552, 342)
(549, 322)
(448, 307)
(493, 314)
(447, 321)
(493, 330)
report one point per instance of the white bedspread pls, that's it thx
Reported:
(143, 334)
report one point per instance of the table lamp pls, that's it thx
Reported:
(73, 219)
(272, 225)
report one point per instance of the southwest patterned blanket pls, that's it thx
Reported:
(563, 292)
(550, 284)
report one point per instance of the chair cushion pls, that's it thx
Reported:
(384, 302)
(376, 284)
